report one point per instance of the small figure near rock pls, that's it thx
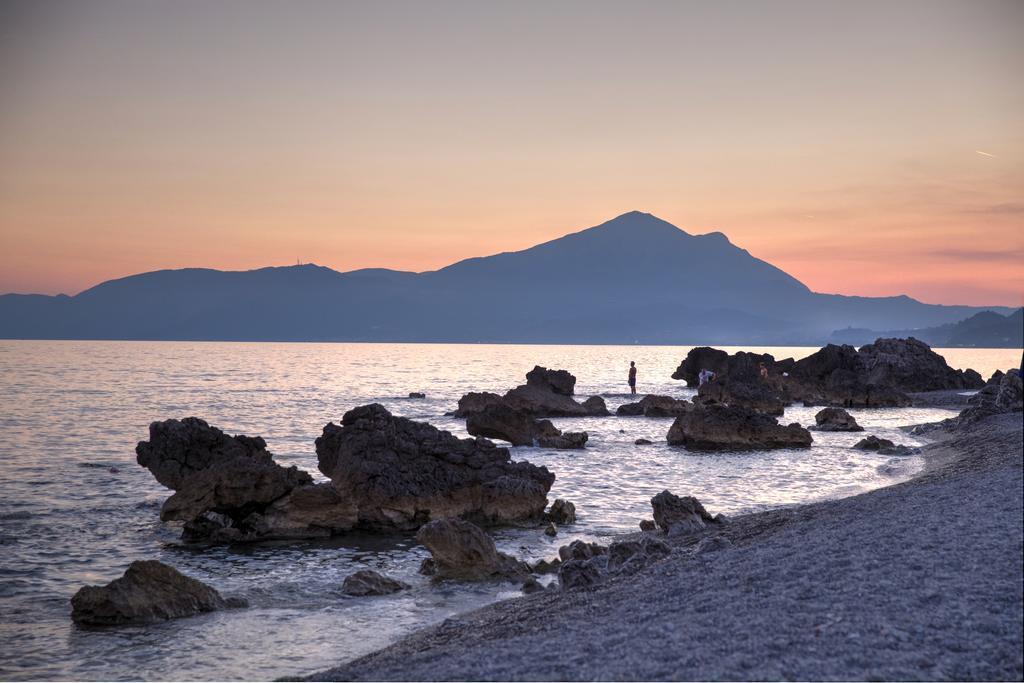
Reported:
(369, 582)
(835, 420)
(632, 377)
(149, 591)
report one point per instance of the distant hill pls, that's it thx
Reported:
(986, 329)
(634, 279)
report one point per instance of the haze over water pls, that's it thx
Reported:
(77, 509)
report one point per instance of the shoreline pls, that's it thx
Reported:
(921, 579)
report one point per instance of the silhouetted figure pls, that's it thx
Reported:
(704, 377)
(764, 371)
(632, 377)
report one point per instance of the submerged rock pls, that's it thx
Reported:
(401, 474)
(581, 550)
(368, 582)
(417, 394)
(679, 515)
(873, 443)
(642, 442)
(720, 427)
(595, 407)
(835, 420)
(654, 405)
(462, 550)
(149, 591)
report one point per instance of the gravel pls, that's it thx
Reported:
(921, 580)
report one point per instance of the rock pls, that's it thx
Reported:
(648, 525)
(462, 550)
(562, 512)
(539, 402)
(501, 421)
(745, 391)
(546, 567)
(149, 591)
(722, 519)
(211, 471)
(911, 366)
(719, 427)
(679, 515)
(532, 585)
(476, 402)
(595, 407)
(579, 574)
(417, 394)
(556, 381)
(581, 550)
(550, 529)
(835, 420)
(564, 441)
(626, 557)
(654, 405)
(837, 375)
(701, 358)
(427, 567)
(643, 442)
(873, 443)
(1002, 394)
(899, 449)
(712, 544)
(369, 582)
(401, 474)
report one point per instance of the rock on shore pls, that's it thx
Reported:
(719, 427)
(501, 421)
(462, 550)
(149, 591)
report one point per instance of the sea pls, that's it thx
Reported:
(76, 509)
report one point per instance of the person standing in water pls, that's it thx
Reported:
(632, 377)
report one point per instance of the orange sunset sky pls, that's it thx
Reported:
(867, 148)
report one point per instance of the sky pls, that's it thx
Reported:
(869, 148)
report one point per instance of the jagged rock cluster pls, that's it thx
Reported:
(876, 375)
(547, 393)
(387, 473)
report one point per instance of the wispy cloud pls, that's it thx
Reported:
(984, 154)
(978, 255)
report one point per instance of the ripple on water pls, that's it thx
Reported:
(71, 411)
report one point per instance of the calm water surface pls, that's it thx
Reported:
(76, 509)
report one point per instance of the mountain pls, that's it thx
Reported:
(635, 278)
(986, 329)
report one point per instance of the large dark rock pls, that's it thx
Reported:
(228, 488)
(400, 474)
(476, 402)
(1003, 394)
(368, 582)
(910, 366)
(556, 381)
(701, 358)
(209, 470)
(654, 405)
(462, 550)
(836, 375)
(679, 515)
(874, 443)
(720, 427)
(541, 402)
(835, 420)
(149, 591)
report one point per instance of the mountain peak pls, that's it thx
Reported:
(638, 221)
